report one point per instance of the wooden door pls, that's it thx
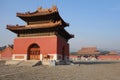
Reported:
(34, 53)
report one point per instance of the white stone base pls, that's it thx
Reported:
(56, 57)
(19, 57)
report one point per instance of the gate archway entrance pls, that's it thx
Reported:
(33, 52)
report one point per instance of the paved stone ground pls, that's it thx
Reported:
(108, 71)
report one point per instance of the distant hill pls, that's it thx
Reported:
(101, 52)
(73, 53)
(104, 52)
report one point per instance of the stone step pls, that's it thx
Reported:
(12, 62)
(31, 63)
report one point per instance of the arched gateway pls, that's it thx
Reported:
(33, 52)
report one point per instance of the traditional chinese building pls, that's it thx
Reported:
(113, 53)
(88, 53)
(43, 37)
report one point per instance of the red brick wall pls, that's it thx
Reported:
(48, 45)
(0, 54)
(109, 57)
(6, 54)
(62, 44)
(73, 56)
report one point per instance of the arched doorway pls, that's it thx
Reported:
(33, 52)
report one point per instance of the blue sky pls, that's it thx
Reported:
(93, 22)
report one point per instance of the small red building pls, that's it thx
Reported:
(43, 37)
(6, 54)
(112, 55)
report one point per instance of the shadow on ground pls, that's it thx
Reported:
(2, 62)
(95, 62)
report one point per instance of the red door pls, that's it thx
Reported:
(34, 52)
